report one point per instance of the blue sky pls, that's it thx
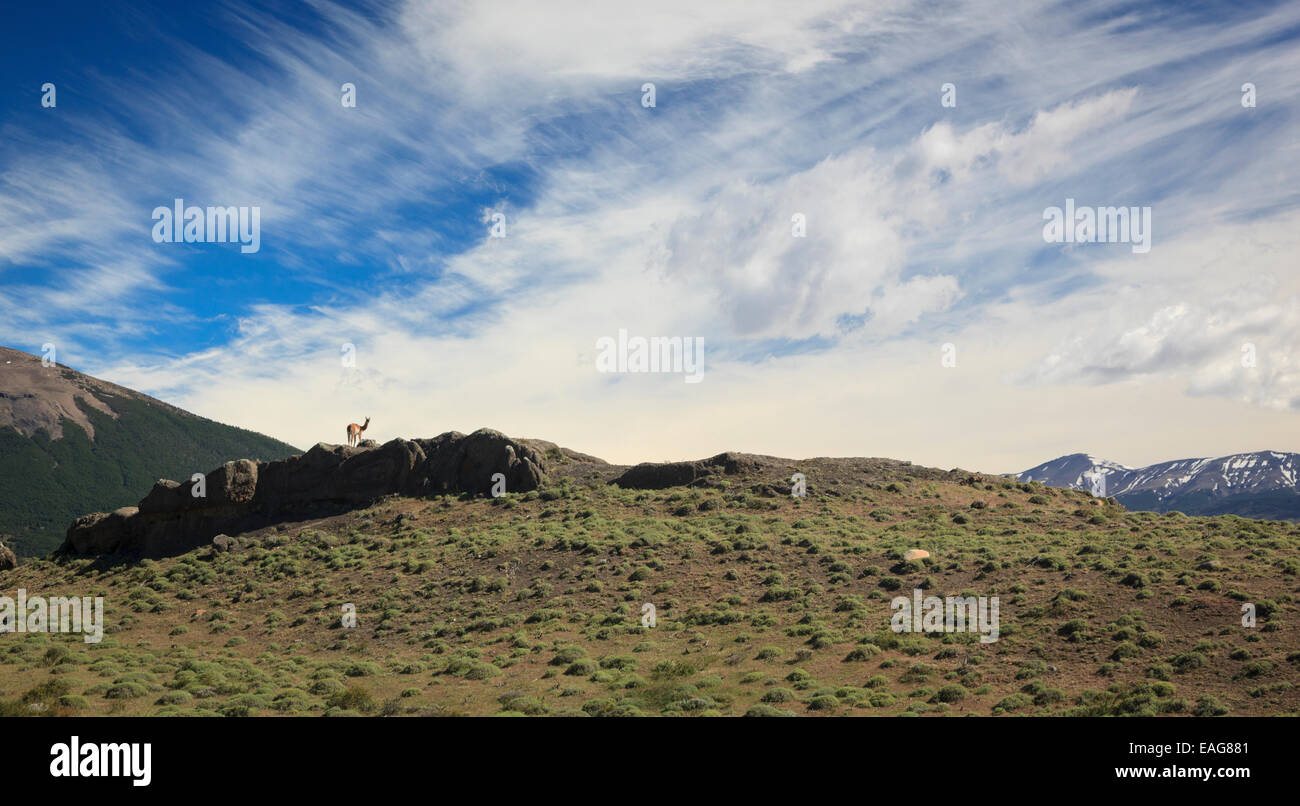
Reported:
(924, 221)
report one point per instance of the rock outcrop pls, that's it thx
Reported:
(7, 558)
(658, 476)
(176, 517)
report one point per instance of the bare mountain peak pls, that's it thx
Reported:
(35, 397)
(47, 414)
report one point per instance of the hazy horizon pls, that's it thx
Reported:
(634, 459)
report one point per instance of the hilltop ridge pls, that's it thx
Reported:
(722, 593)
(245, 494)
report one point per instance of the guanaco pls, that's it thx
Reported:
(354, 432)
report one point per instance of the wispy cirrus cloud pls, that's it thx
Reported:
(923, 222)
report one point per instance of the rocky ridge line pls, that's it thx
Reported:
(247, 494)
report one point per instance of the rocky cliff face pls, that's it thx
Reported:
(246, 494)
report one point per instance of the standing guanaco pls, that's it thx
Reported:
(354, 432)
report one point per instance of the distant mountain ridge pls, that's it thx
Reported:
(1260, 484)
(71, 444)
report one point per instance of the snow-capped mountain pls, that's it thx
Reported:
(1263, 484)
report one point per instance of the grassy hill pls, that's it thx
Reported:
(766, 605)
(45, 483)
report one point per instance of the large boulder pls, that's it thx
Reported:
(168, 496)
(458, 463)
(298, 479)
(7, 558)
(489, 452)
(369, 473)
(232, 483)
(100, 532)
(658, 476)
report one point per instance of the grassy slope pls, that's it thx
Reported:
(530, 604)
(45, 484)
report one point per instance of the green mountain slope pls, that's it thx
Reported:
(46, 482)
